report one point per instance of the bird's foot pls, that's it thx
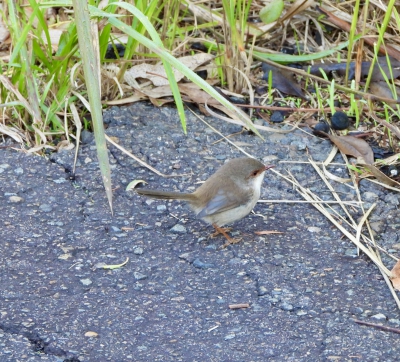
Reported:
(220, 230)
(224, 232)
(230, 242)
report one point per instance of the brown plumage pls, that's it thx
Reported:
(228, 195)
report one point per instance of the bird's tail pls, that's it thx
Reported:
(155, 194)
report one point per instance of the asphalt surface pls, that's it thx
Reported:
(170, 302)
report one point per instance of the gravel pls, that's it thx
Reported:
(170, 301)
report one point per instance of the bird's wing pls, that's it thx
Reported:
(220, 202)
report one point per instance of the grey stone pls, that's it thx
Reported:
(197, 263)
(139, 276)
(45, 208)
(178, 229)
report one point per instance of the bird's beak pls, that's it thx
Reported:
(267, 167)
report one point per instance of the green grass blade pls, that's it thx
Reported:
(170, 60)
(91, 72)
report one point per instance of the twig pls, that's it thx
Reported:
(350, 203)
(219, 133)
(291, 109)
(239, 306)
(140, 161)
(386, 124)
(378, 326)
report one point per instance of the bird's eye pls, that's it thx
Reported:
(255, 173)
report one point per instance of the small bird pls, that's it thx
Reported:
(228, 195)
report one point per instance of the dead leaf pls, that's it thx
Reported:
(134, 183)
(342, 24)
(136, 97)
(396, 270)
(353, 146)
(386, 124)
(396, 276)
(197, 95)
(12, 132)
(297, 7)
(65, 145)
(380, 176)
(377, 76)
(283, 80)
(383, 67)
(267, 232)
(157, 92)
(156, 73)
(159, 102)
(4, 32)
(381, 89)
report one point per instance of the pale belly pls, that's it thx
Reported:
(229, 216)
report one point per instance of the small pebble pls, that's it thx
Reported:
(197, 263)
(379, 316)
(277, 117)
(370, 196)
(287, 307)
(262, 291)
(86, 136)
(356, 310)
(351, 252)
(178, 229)
(229, 336)
(138, 250)
(45, 208)
(139, 276)
(86, 281)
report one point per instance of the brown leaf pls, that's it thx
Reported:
(396, 276)
(396, 270)
(156, 73)
(353, 146)
(4, 32)
(381, 89)
(383, 63)
(341, 23)
(380, 176)
(197, 95)
(297, 7)
(283, 80)
(136, 97)
(396, 283)
(159, 102)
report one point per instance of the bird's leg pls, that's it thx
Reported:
(223, 231)
(220, 230)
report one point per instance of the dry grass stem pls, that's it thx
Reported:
(366, 244)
